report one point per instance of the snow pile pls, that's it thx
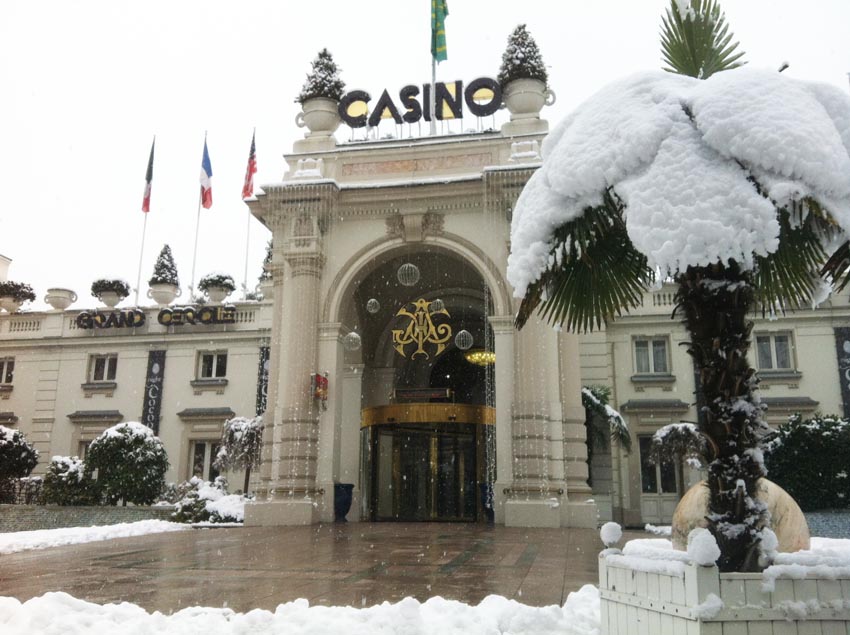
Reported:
(611, 533)
(652, 555)
(702, 547)
(61, 613)
(828, 558)
(708, 609)
(658, 530)
(43, 538)
(680, 153)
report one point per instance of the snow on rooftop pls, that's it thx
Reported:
(679, 152)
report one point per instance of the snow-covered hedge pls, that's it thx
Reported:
(131, 463)
(810, 459)
(204, 501)
(17, 456)
(68, 483)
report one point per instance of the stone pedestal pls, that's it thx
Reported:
(282, 512)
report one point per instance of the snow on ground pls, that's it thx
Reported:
(61, 613)
(43, 538)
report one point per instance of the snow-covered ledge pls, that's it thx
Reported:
(649, 588)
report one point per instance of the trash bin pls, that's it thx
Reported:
(342, 500)
(487, 502)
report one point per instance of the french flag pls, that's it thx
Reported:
(206, 179)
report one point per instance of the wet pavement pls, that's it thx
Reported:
(357, 564)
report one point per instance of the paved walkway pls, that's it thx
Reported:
(357, 564)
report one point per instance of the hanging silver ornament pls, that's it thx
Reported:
(437, 306)
(352, 342)
(463, 340)
(373, 306)
(408, 274)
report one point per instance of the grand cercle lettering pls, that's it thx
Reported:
(170, 316)
(482, 96)
(202, 315)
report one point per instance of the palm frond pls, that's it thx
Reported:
(698, 44)
(787, 278)
(603, 418)
(837, 266)
(596, 272)
(679, 440)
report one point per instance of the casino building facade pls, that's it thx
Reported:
(384, 356)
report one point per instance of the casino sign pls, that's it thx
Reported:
(482, 96)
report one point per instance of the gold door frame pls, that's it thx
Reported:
(432, 419)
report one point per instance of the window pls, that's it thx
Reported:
(660, 478)
(212, 365)
(773, 351)
(651, 356)
(103, 367)
(203, 455)
(7, 370)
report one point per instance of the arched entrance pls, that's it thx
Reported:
(427, 393)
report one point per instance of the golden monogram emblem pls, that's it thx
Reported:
(421, 330)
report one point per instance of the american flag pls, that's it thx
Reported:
(248, 187)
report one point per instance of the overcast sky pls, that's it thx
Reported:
(86, 85)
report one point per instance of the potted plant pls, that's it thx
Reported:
(110, 291)
(60, 298)
(14, 294)
(523, 76)
(319, 97)
(164, 283)
(217, 286)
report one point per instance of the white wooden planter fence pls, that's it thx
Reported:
(641, 602)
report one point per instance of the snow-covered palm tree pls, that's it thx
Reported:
(734, 184)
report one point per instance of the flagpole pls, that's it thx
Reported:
(433, 96)
(247, 245)
(145, 211)
(141, 254)
(195, 252)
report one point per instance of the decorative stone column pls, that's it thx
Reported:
(348, 467)
(330, 355)
(536, 493)
(577, 511)
(291, 446)
(276, 269)
(503, 344)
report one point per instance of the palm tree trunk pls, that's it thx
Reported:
(715, 302)
(247, 480)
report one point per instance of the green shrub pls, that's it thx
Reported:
(67, 483)
(130, 462)
(17, 456)
(208, 502)
(810, 459)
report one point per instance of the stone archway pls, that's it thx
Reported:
(394, 373)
